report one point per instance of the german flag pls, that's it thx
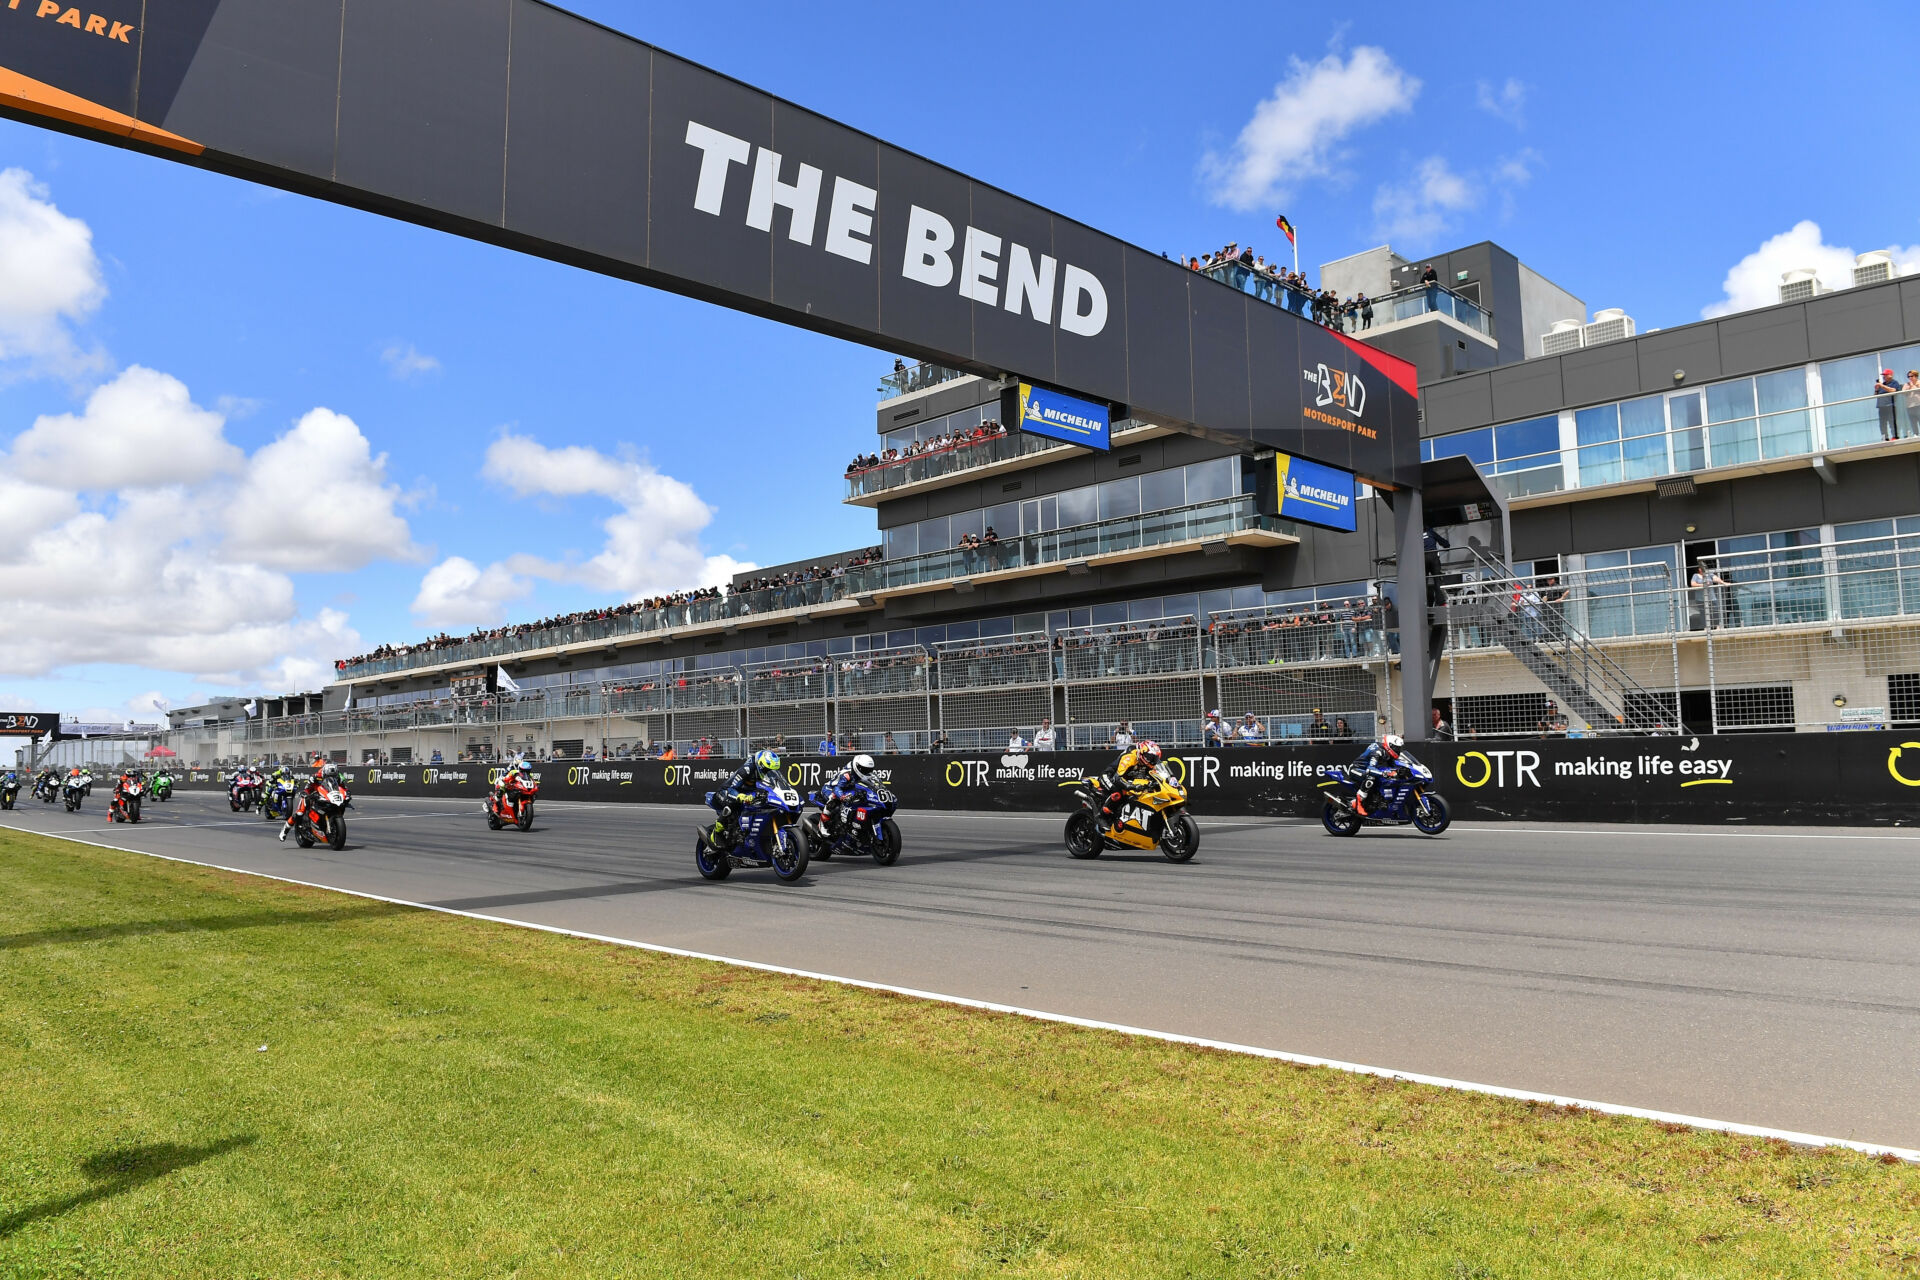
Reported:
(1286, 228)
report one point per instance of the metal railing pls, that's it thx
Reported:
(951, 460)
(1388, 308)
(917, 377)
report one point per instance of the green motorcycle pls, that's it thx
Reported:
(161, 787)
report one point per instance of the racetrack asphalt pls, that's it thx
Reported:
(1767, 976)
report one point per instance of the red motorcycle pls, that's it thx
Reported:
(125, 804)
(511, 803)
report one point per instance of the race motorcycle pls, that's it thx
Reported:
(9, 790)
(863, 824)
(75, 789)
(46, 788)
(324, 819)
(1153, 817)
(1405, 796)
(767, 832)
(125, 804)
(277, 797)
(511, 803)
(243, 791)
(161, 788)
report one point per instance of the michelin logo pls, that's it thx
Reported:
(1297, 492)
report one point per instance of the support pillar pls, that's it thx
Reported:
(1410, 586)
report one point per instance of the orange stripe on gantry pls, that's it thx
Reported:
(26, 94)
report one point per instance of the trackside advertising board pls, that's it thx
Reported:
(1059, 416)
(1313, 494)
(1861, 778)
(517, 123)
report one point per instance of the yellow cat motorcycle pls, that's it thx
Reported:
(1153, 817)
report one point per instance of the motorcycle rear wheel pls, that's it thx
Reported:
(1083, 836)
(887, 852)
(493, 819)
(1338, 819)
(820, 847)
(710, 862)
(303, 837)
(1182, 839)
(1437, 818)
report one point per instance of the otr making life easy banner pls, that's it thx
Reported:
(1854, 778)
(1059, 416)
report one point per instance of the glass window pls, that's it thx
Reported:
(996, 627)
(1078, 506)
(1527, 440)
(1211, 481)
(1248, 597)
(1476, 446)
(1026, 623)
(1846, 388)
(1004, 519)
(1105, 614)
(933, 535)
(1145, 610)
(926, 636)
(1120, 498)
(1597, 425)
(1181, 607)
(1900, 360)
(1786, 427)
(1163, 490)
(1733, 436)
(901, 541)
(1212, 602)
(964, 523)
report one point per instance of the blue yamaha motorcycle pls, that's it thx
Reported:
(276, 801)
(1405, 796)
(863, 826)
(767, 832)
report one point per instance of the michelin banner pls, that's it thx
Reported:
(1757, 779)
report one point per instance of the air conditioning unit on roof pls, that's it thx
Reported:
(1799, 285)
(1873, 268)
(1610, 325)
(1564, 336)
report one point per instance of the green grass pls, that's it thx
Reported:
(444, 1097)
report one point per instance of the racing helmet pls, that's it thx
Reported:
(861, 767)
(330, 771)
(1147, 751)
(1394, 745)
(767, 762)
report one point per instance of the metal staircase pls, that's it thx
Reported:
(1516, 613)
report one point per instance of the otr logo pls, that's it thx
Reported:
(679, 775)
(967, 773)
(1493, 768)
(1194, 771)
(578, 775)
(429, 776)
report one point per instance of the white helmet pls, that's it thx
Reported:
(1394, 744)
(862, 766)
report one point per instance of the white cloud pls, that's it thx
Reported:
(1295, 132)
(140, 430)
(1413, 213)
(1754, 281)
(404, 360)
(458, 593)
(1507, 102)
(1517, 169)
(49, 281)
(651, 544)
(317, 499)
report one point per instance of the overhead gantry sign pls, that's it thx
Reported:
(521, 124)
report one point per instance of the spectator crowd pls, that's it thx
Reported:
(989, 430)
(1323, 306)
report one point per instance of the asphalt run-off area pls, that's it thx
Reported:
(1765, 977)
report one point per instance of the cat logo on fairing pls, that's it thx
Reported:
(1338, 388)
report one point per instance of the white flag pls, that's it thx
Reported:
(253, 708)
(506, 681)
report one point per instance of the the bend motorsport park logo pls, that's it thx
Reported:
(1064, 417)
(1337, 389)
(80, 20)
(1313, 494)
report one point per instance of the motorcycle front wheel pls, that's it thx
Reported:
(526, 816)
(1182, 839)
(337, 833)
(133, 811)
(1083, 836)
(711, 863)
(1338, 819)
(1432, 817)
(790, 856)
(887, 852)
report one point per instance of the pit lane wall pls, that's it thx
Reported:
(1864, 777)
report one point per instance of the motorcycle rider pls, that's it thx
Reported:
(519, 772)
(1132, 772)
(844, 788)
(1380, 761)
(325, 774)
(129, 779)
(738, 791)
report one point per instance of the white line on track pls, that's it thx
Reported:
(1908, 1154)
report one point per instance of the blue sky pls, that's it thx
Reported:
(1636, 157)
